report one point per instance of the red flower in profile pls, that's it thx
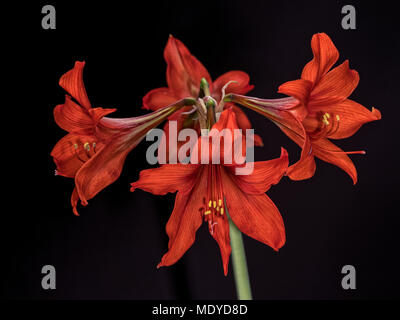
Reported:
(201, 191)
(94, 150)
(184, 74)
(318, 110)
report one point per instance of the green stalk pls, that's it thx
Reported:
(239, 262)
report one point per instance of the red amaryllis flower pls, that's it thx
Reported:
(94, 150)
(201, 190)
(318, 110)
(184, 74)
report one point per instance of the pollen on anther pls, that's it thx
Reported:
(219, 202)
(210, 203)
(207, 212)
(75, 146)
(325, 119)
(214, 204)
(337, 117)
(86, 146)
(222, 211)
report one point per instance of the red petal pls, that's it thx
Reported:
(305, 167)
(294, 129)
(221, 142)
(69, 159)
(221, 235)
(158, 98)
(352, 116)
(184, 71)
(325, 56)
(72, 117)
(335, 86)
(265, 174)
(254, 215)
(98, 113)
(72, 82)
(103, 168)
(184, 222)
(167, 178)
(327, 151)
(299, 89)
(74, 201)
(244, 122)
(241, 86)
(227, 120)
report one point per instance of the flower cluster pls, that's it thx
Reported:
(316, 110)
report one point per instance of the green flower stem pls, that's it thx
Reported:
(239, 263)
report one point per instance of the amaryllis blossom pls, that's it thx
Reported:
(94, 150)
(184, 75)
(201, 192)
(317, 110)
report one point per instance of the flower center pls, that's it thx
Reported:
(327, 124)
(214, 200)
(84, 151)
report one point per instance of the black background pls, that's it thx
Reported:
(112, 249)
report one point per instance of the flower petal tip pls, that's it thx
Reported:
(250, 87)
(284, 153)
(258, 141)
(84, 202)
(133, 186)
(376, 113)
(280, 244)
(354, 178)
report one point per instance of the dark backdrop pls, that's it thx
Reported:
(112, 249)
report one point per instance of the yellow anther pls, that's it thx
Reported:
(325, 118)
(75, 146)
(337, 117)
(222, 211)
(210, 203)
(327, 115)
(217, 209)
(220, 202)
(207, 212)
(87, 146)
(214, 204)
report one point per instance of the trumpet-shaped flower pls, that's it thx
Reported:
(94, 150)
(202, 191)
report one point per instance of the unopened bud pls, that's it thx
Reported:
(204, 87)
